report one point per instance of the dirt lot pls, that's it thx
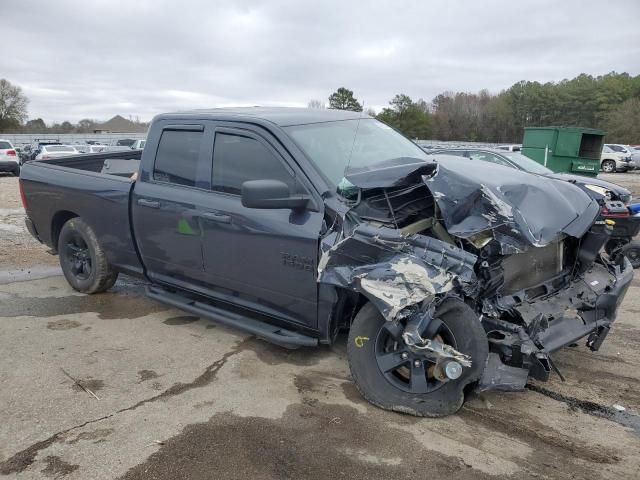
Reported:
(118, 386)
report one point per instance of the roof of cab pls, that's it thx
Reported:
(282, 116)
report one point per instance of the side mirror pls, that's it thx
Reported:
(270, 194)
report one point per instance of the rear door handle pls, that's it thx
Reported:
(216, 217)
(143, 202)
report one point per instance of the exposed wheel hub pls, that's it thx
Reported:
(419, 366)
(78, 257)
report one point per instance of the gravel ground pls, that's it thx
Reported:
(118, 386)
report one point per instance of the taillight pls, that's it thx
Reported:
(606, 213)
(22, 197)
(11, 153)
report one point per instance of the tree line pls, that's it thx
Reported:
(610, 102)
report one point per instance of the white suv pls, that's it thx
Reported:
(9, 159)
(615, 159)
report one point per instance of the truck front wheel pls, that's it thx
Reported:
(83, 261)
(391, 376)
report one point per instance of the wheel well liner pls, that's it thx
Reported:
(58, 220)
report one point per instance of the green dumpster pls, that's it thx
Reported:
(565, 149)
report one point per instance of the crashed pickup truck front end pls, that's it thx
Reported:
(521, 249)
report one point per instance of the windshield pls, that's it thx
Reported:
(526, 163)
(334, 146)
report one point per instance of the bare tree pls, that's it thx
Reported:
(13, 105)
(316, 104)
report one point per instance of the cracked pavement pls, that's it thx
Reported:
(180, 397)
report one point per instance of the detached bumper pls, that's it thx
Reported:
(586, 308)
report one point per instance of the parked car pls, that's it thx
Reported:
(122, 142)
(509, 148)
(88, 148)
(9, 159)
(138, 145)
(635, 154)
(598, 189)
(25, 154)
(117, 148)
(615, 160)
(295, 224)
(52, 151)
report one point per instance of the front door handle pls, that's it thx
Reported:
(216, 217)
(143, 202)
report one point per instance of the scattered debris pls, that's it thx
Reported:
(79, 384)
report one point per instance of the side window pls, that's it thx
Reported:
(177, 157)
(237, 159)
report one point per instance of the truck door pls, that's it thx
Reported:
(264, 259)
(167, 202)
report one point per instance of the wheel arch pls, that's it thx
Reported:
(346, 306)
(58, 220)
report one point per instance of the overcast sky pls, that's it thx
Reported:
(98, 58)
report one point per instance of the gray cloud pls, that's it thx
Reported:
(94, 59)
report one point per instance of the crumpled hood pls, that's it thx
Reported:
(518, 208)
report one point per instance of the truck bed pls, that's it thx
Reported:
(61, 188)
(95, 162)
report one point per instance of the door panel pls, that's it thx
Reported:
(166, 205)
(265, 258)
(169, 235)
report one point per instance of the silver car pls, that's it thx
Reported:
(52, 151)
(9, 159)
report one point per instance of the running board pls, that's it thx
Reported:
(271, 333)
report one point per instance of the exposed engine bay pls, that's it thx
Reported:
(521, 250)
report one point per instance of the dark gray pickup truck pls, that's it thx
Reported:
(295, 224)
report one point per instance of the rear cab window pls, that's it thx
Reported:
(177, 157)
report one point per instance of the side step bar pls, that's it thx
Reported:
(272, 333)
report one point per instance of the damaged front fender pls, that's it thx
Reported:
(394, 271)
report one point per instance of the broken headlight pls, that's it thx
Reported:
(600, 190)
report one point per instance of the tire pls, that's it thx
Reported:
(632, 252)
(16, 172)
(608, 166)
(392, 391)
(83, 261)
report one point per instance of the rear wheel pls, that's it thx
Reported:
(391, 376)
(608, 166)
(83, 261)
